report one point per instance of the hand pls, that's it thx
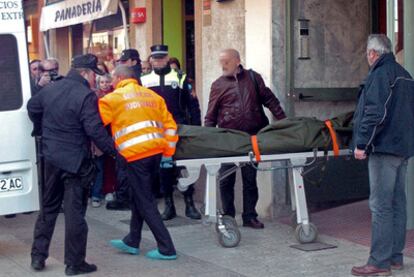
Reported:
(44, 80)
(360, 154)
(166, 162)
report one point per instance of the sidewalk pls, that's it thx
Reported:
(264, 252)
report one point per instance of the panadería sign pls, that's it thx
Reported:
(68, 13)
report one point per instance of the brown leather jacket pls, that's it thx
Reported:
(235, 104)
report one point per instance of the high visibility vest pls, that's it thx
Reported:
(172, 79)
(140, 122)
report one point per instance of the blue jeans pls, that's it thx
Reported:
(96, 191)
(387, 202)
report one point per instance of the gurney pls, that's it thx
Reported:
(226, 227)
(227, 230)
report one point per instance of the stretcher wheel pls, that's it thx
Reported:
(302, 237)
(228, 221)
(230, 237)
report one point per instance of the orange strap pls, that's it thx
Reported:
(255, 145)
(335, 145)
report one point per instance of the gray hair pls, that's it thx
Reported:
(124, 72)
(231, 52)
(53, 61)
(380, 43)
(105, 76)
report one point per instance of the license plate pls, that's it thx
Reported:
(10, 184)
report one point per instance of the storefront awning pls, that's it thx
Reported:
(66, 13)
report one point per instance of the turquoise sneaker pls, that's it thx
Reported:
(156, 255)
(120, 245)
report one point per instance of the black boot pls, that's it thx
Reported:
(190, 209)
(118, 205)
(169, 212)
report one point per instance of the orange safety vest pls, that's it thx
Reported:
(140, 122)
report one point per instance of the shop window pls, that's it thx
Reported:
(11, 89)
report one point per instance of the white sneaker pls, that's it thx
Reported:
(96, 203)
(109, 197)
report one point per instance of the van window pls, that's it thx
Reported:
(10, 86)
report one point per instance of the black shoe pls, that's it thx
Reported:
(169, 212)
(253, 223)
(190, 209)
(37, 264)
(117, 205)
(80, 269)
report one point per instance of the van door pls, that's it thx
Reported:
(18, 172)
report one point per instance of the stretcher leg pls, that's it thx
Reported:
(305, 231)
(211, 192)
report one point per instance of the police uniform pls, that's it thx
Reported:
(143, 130)
(173, 86)
(66, 115)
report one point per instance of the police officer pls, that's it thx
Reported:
(65, 113)
(173, 87)
(145, 134)
(131, 59)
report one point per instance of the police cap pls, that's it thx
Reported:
(159, 51)
(129, 54)
(87, 61)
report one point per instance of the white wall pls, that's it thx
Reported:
(258, 37)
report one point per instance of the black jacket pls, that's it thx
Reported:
(66, 114)
(384, 117)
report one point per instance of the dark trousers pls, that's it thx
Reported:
(168, 179)
(250, 192)
(122, 188)
(141, 174)
(73, 190)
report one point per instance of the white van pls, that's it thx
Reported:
(18, 172)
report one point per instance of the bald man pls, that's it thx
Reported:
(236, 102)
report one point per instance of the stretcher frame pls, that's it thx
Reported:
(306, 232)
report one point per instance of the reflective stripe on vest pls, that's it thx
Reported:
(137, 126)
(171, 79)
(170, 132)
(138, 139)
(172, 144)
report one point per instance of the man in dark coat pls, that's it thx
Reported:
(236, 101)
(383, 132)
(65, 114)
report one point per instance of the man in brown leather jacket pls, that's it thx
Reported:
(236, 102)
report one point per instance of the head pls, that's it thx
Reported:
(51, 67)
(159, 56)
(146, 67)
(377, 45)
(129, 57)
(104, 82)
(159, 62)
(230, 61)
(175, 63)
(122, 72)
(35, 69)
(87, 66)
